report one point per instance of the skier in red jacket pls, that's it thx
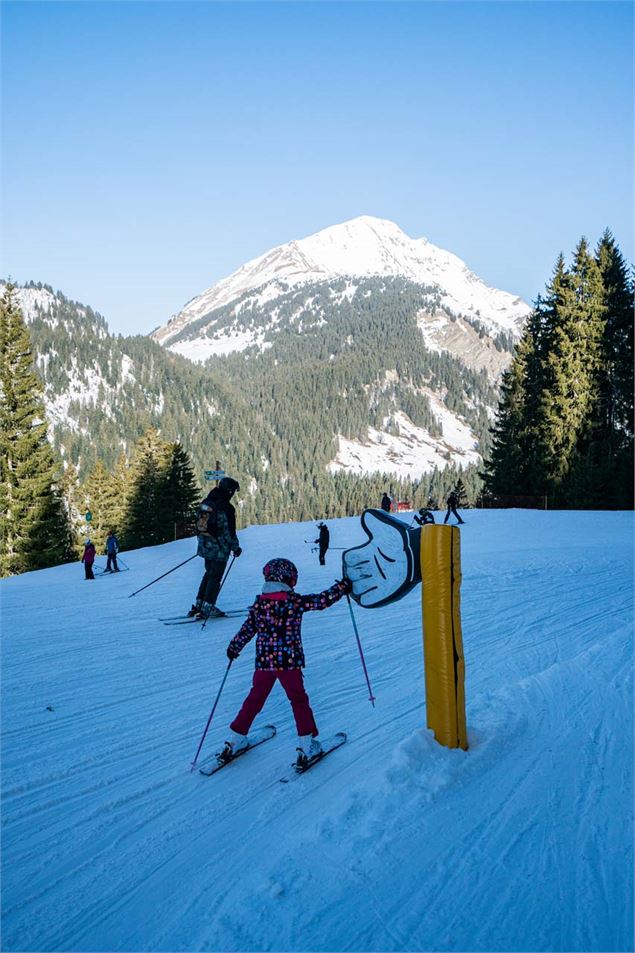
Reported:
(88, 559)
(276, 619)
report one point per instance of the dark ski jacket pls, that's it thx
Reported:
(112, 544)
(276, 620)
(222, 541)
(89, 554)
(385, 503)
(324, 538)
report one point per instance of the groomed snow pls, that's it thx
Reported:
(523, 843)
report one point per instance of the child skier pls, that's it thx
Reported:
(88, 559)
(276, 619)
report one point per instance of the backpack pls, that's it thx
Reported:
(207, 519)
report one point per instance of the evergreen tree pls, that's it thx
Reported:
(511, 437)
(565, 421)
(142, 520)
(72, 496)
(461, 493)
(121, 482)
(179, 493)
(613, 445)
(34, 528)
(570, 390)
(102, 496)
(162, 490)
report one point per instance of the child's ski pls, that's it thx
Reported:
(331, 744)
(254, 739)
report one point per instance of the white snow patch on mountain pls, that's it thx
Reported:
(226, 343)
(32, 299)
(411, 453)
(363, 247)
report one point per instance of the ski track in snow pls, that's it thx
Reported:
(392, 843)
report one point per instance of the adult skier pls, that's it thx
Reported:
(88, 559)
(453, 502)
(275, 619)
(112, 548)
(386, 503)
(216, 529)
(323, 541)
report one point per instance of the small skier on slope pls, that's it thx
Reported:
(453, 502)
(323, 541)
(88, 558)
(276, 619)
(112, 548)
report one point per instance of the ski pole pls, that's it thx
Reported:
(211, 715)
(163, 576)
(125, 565)
(371, 697)
(233, 559)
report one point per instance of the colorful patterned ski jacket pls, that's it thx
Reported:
(276, 619)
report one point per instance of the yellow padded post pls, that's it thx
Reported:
(442, 639)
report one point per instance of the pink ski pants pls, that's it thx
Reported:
(263, 682)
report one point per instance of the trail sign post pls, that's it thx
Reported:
(89, 516)
(214, 474)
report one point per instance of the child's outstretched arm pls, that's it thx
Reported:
(322, 600)
(244, 635)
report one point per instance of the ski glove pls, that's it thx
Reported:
(387, 566)
(237, 551)
(232, 654)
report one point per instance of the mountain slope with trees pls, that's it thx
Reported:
(272, 417)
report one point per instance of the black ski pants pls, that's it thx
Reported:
(322, 554)
(210, 583)
(88, 569)
(452, 509)
(112, 563)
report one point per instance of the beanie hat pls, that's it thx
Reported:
(281, 570)
(228, 485)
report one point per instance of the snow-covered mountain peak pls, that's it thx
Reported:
(362, 247)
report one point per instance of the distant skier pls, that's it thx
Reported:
(216, 529)
(88, 559)
(112, 548)
(323, 541)
(386, 503)
(424, 516)
(453, 502)
(275, 619)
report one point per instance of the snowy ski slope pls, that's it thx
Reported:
(393, 843)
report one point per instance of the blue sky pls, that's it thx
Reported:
(152, 148)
